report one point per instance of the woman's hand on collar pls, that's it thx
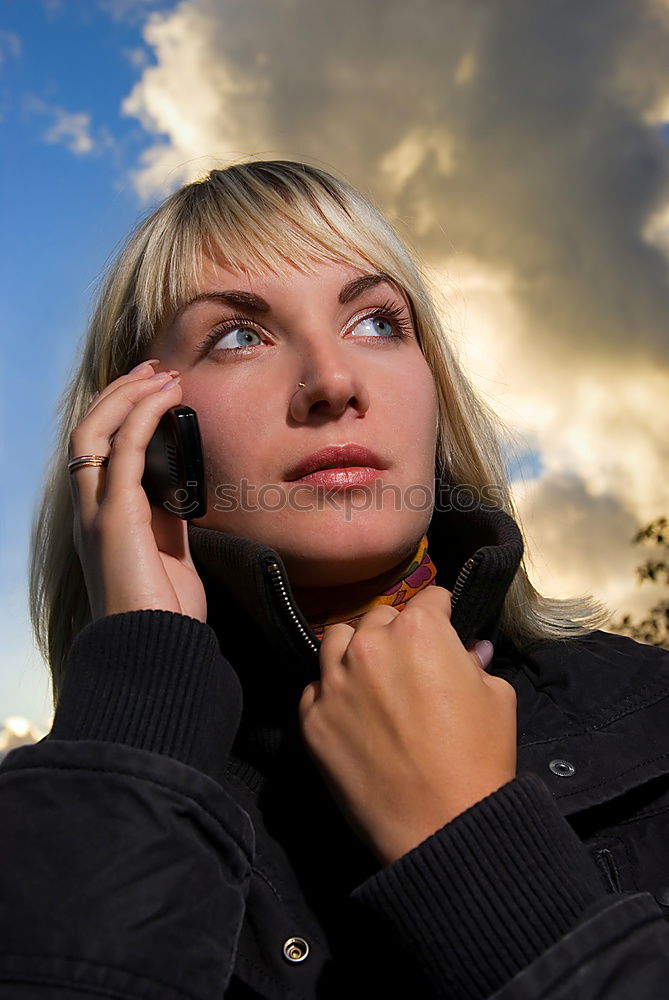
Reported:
(405, 724)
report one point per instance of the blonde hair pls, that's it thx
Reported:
(257, 215)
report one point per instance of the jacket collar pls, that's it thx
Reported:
(476, 552)
(597, 702)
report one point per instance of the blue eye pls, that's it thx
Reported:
(239, 336)
(387, 323)
(382, 326)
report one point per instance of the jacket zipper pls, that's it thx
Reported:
(280, 589)
(463, 576)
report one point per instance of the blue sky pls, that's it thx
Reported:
(550, 216)
(63, 214)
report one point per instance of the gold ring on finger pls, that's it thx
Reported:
(82, 460)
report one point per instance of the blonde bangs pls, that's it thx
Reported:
(238, 220)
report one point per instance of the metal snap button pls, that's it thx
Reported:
(295, 949)
(563, 768)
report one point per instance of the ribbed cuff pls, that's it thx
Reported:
(155, 680)
(484, 896)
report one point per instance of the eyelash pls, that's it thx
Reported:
(388, 311)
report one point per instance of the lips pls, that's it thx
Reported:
(336, 457)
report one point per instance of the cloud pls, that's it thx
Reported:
(561, 514)
(138, 57)
(519, 147)
(72, 129)
(24, 678)
(132, 11)
(600, 429)
(10, 46)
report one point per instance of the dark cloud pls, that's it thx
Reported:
(526, 131)
(517, 144)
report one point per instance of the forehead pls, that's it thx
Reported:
(221, 275)
(258, 289)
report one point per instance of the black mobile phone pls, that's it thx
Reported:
(174, 466)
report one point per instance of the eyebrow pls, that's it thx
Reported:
(254, 303)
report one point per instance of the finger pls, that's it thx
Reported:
(171, 534)
(86, 497)
(333, 646)
(143, 372)
(432, 596)
(310, 695)
(506, 690)
(336, 638)
(483, 650)
(140, 364)
(140, 371)
(126, 466)
(94, 435)
(380, 614)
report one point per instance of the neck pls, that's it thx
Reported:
(323, 606)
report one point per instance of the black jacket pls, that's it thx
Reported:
(170, 839)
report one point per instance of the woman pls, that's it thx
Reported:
(284, 760)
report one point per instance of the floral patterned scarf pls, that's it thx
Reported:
(406, 581)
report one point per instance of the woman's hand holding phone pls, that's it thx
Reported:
(134, 556)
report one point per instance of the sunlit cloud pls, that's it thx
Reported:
(518, 148)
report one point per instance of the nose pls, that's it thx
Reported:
(330, 385)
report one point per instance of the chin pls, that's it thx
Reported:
(336, 551)
(337, 544)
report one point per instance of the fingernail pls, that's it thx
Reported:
(170, 383)
(151, 361)
(484, 650)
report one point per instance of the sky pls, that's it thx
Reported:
(520, 148)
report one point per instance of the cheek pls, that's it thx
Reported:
(228, 427)
(413, 407)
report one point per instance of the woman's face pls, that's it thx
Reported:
(365, 385)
